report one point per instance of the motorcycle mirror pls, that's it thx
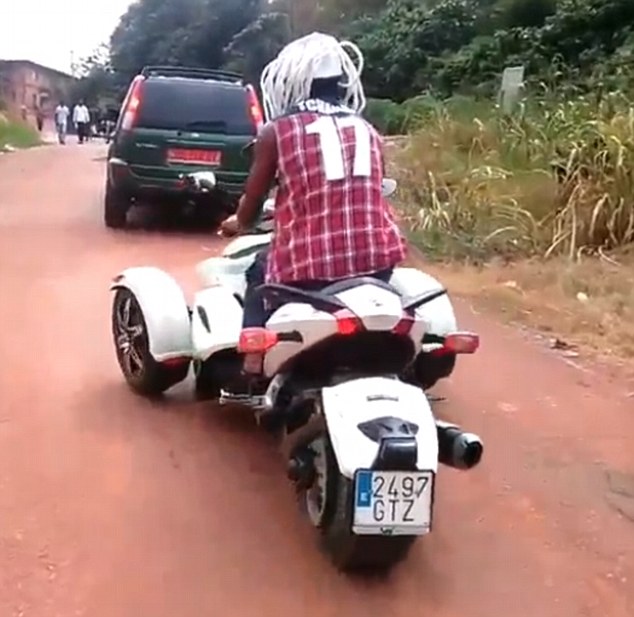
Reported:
(388, 187)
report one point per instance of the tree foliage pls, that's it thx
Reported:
(211, 33)
(411, 46)
(254, 47)
(97, 81)
(190, 32)
(463, 45)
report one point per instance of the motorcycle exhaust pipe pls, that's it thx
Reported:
(456, 448)
(300, 468)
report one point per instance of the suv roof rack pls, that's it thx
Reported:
(191, 72)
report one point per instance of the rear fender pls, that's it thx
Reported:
(370, 403)
(216, 321)
(439, 313)
(164, 310)
(381, 309)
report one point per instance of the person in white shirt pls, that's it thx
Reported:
(81, 120)
(61, 121)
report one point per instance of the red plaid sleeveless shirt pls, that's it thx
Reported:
(331, 220)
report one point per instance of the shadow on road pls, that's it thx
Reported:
(167, 220)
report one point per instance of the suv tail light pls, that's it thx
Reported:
(131, 104)
(255, 110)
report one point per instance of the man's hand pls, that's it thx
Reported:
(230, 227)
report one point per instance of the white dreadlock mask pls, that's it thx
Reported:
(287, 80)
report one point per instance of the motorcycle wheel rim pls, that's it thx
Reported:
(316, 495)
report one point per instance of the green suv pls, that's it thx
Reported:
(173, 121)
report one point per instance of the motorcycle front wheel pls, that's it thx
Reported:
(130, 336)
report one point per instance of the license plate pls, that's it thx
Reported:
(194, 157)
(393, 502)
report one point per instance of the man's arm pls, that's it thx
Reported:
(261, 177)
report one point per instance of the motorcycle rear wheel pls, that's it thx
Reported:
(350, 552)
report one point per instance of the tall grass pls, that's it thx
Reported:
(557, 177)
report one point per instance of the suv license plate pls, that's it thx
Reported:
(193, 157)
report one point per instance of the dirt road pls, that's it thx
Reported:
(112, 506)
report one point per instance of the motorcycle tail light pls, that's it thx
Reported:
(178, 361)
(404, 326)
(256, 340)
(347, 322)
(462, 342)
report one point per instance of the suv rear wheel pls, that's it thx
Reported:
(116, 208)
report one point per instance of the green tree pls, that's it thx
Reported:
(453, 46)
(191, 32)
(255, 46)
(410, 46)
(97, 82)
(400, 42)
(525, 13)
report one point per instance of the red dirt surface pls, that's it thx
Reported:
(114, 506)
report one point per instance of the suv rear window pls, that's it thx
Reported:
(194, 105)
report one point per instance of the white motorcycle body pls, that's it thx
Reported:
(173, 334)
(228, 271)
(345, 358)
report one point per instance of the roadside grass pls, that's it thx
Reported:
(531, 214)
(18, 135)
(586, 305)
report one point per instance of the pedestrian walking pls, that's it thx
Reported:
(39, 118)
(61, 121)
(81, 120)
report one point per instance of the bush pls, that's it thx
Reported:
(17, 134)
(387, 116)
(392, 118)
(557, 178)
(462, 46)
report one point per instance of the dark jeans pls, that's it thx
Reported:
(256, 313)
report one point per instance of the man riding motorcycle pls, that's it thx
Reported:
(331, 221)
